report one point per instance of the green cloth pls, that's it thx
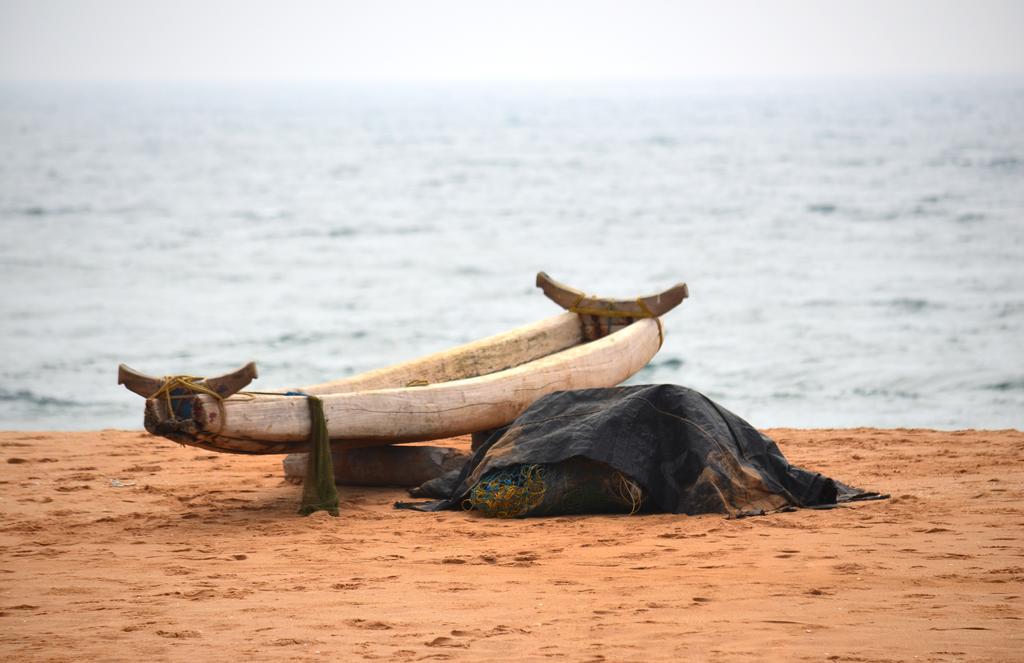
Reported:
(318, 490)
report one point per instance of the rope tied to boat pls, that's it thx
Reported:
(319, 492)
(191, 385)
(645, 312)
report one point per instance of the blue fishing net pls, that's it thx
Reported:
(573, 486)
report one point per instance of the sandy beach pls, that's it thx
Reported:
(116, 545)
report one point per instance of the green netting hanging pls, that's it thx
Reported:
(318, 490)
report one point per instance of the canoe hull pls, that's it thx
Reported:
(488, 355)
(278, 424)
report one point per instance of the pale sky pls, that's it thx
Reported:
(424, 40)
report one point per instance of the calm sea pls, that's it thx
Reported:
(854, 251)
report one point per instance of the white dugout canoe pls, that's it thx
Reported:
(475, 387)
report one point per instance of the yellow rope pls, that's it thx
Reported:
(650, 314)
(606, 313)
(504, 497)
(629, 492)
(644, 312)
(189, 383)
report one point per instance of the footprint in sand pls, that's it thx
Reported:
(445, 641)
(178, 634)
(143, 468)
(368, 624)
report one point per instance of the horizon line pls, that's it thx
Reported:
(618, 80)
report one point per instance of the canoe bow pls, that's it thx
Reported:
(226, 385)
(601, 316)
(651, 306)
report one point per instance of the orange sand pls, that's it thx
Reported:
(203, 558)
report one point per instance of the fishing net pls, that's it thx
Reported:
(318, 491)
(573, 486)
(665, 447)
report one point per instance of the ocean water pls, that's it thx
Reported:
(854, 250)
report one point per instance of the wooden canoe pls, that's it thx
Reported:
(475, 387)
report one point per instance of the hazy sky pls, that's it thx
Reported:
(518, 39)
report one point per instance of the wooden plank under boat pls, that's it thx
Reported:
(475, 387)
